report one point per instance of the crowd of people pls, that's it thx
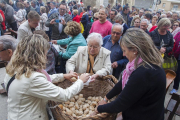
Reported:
(128, 43)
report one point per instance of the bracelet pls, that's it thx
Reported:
(105, 100)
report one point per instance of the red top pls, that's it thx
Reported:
(153, 28)
(69, 12)
(77, 19)
(3, 25)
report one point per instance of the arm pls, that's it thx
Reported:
(18, 17)
(57, 78)
(64, 41)
(21, 34)
(71, 63)
(106, 69)
(129, 95)
(41, 88)
(49, 20)
(171, 44)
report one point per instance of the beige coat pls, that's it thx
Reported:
(78, 62)
(27, 97)
(23, 30)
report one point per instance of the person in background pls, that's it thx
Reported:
(92, 59)
(154, 23)
(175, 16)
(27, 7)
(163, 16)
(40, 3)
(20, 16)
(108, 10)
(158, 14)
(89, 12)
(76, 16)
(34, 7)
(28, 27)
(68, 10)
(111, 42)
(101, 6)
(79, 8)
(57, 21)
(113, 13)
(137, 21)
(52, 54)
(148, 16)
(133, 8)
(85, 18)
(3, 24)
(169, 14)
(88, 28)
(102, 26)
(175, 25)
(176, 51)
(119, 19)
(43, 19)
(125, 13)
(9, 12)
(141, 13)
(144, 25)
(48, 4)
(162, 37)
(32, 85)
(53, 9)
(143, 82)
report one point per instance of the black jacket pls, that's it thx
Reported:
(86, 31)
(156, 38)
(143, 95)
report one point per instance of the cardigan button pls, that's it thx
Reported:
(40, 116)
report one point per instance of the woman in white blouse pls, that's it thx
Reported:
(20, 16)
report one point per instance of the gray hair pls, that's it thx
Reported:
(119, 25)
(169, 12)
(8, 42)
(164, 22)
(163, 16)
(145, 20)
(95, 36)
(119, 17)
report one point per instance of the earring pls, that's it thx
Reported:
(134, 53)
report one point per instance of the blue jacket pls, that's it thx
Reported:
(73, 43)
(84, 20)
(125, 27)
(52, 11)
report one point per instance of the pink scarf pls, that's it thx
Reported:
(127, 72)
(46, 74)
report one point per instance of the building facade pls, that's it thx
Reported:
(169, 5)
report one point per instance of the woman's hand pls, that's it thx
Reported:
(95, 112)
(70, 75)
(93, 77)
(84, 77)
(163, 50)
(54, 41)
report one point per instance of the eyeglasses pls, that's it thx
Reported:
(176, 25)
(117, 33)
(62, 9)
(95, 18)
(2, 50)
(94, 47)
(111, 14)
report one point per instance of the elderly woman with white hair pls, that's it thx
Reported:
(91, 59)
(162, 37)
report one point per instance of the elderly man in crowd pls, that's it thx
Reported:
(141, 13)
(9, 12)
(144, 25)
(7, 47)
(35, 7)
(163, 16)
(53, 9)
(79, 8)
(169, 14)
(175, 16)
(28, 27)
(102, 26)
(57, 21)
(91, 59)
(113, 13)
(111, 42)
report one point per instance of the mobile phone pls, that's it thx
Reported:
(57, 21)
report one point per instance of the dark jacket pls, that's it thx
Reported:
(86, 31)
(125, 27)
(143, 95)
(156, 39)
(84, 20)
(55, 27)
(9, 12)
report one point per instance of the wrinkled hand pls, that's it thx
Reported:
(84, 77)
(63, 21)
(114, 65)
(163, 50)
(70, 75)
(102, 102)
(54, 41)
(52, 21)
(93, 77)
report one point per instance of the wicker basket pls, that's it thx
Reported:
(99, 87)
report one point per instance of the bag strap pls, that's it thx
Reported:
(9, 83)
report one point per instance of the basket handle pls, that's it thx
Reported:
(110, 77)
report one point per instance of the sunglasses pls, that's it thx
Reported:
(95, 18)
(176, 25)
(117, 33)
(2, 50)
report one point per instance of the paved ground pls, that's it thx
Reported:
(3, 99)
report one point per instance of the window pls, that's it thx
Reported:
(163, 5)
(175, 7)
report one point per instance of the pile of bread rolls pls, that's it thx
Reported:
(79, 106)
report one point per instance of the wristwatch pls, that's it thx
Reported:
(105, 100)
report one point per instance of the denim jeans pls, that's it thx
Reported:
(177, 79)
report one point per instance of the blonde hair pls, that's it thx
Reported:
(136, 39)
(75, 12)
(73, 28)
(164, 22)
(29, 56)
(43, 9)
(156, 17)
(135, 18)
